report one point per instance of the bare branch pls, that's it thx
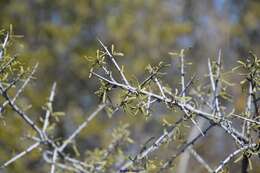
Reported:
(18, 156)
(165, 137)
(54, 157)
(160, 87)
(232, 155)
(81, 127)
(169, 162)
(49, 107)
(200, 159)
(182, 75)
(4, 45)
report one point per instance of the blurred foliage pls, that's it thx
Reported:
(60, 33)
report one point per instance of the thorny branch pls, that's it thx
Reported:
(141, 98)
(216, 117)
(42, 139)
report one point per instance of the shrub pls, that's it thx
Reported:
(199, 103)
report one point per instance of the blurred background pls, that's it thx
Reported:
(59, 33)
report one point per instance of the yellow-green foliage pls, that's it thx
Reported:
(60, 34)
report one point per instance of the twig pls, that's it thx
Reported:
(166, 136)
(49, 107)
(22, 114)
(114, 61)
(21, 89)
(182, 75)
(7, 64)
(214, 85)
(200, 159)
(60, 165)
(80, 128)
(18, 156)
(4, 45)
(246, 119)
(159, 86)
(246, 125)
(169, 162)
(54, 157)
(232, 155)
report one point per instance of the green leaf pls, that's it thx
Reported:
(59, 114)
